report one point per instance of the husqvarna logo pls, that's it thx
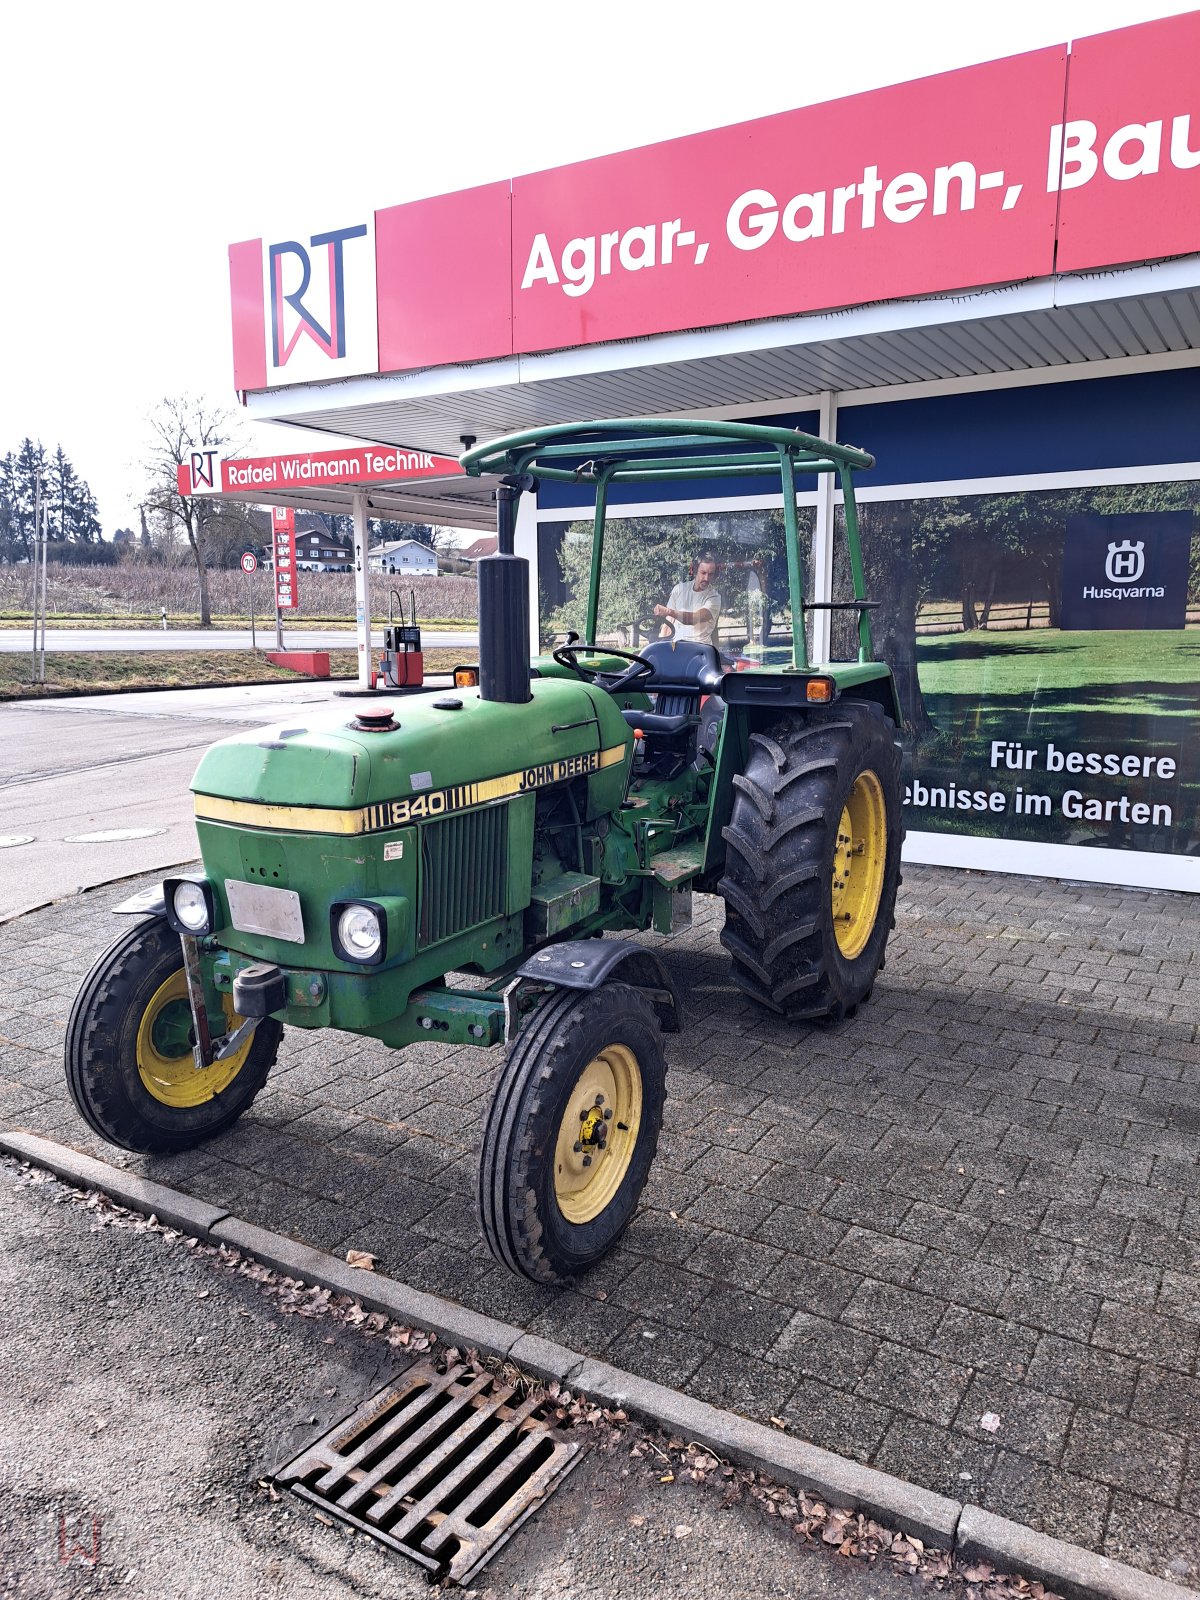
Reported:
(319, 292)
(1126, 561)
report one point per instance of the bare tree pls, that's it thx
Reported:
(179, 425)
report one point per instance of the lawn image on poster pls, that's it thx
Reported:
(1034, 709)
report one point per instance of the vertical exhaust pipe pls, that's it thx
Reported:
(504, 606)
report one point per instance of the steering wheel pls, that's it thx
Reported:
(638, 670)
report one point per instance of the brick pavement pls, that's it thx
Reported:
(982, 1194)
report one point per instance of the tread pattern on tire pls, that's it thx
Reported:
(786, 806)
(95, 1076)
(529, 1087)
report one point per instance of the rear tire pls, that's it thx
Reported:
(813, 861)
(543, 1212)
(128, 1061)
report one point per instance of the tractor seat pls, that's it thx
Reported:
(684, 672)
(661, 722)
(682, 667)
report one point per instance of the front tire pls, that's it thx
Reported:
(128, 1057)
(813, 861)
(559, 1178)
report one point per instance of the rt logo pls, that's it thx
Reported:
(310, 282)
(1126, 561)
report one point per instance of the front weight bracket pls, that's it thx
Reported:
(202, 1047)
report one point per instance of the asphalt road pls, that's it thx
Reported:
(145, 1392)
(115, 763)
(58, 639)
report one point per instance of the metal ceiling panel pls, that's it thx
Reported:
(1038, 336)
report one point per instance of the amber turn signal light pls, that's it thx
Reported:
(820, 690)
(466, 677)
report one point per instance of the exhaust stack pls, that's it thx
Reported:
(504, 606)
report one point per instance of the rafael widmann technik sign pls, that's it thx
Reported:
(1054, 161)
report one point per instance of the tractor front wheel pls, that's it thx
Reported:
(129, 1062)
(813, 860)
(571, 1131)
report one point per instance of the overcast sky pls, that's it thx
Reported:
(140, 140)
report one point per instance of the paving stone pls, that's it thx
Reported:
(1169, 1341)
(1125, 1455)
(878, 1256)
(1079, 1373)
(811, 1285)
(1032, 1424)
(751, 1387)
(984, 1341)
(738, 1321)
(1062, 1504)
(818, 1348)
(956, 1280)
(1149, 1535)
(1136, 1283)
(942, 1461)
(919, 1385)
(821, 1205)
(666, 1293)
(847, 1424)
(894, 1312)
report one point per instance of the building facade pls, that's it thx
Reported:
(990, 280)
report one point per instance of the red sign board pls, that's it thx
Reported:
(443, 270)
(283, 537)
(926, 186)
(959, 181)
(206, 473)
(1130, 146)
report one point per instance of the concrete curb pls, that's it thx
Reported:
(970, 1533)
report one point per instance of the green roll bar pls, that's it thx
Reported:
(658, 449)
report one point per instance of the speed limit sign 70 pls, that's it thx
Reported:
(249, 562)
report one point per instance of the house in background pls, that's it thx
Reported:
(320, 551)
(477, 551)
(407, 556)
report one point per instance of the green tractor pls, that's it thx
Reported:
(357, 866)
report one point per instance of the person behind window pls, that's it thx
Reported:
(694, 608)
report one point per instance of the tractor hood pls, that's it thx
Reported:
(450, 743)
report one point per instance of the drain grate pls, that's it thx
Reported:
(443, 1467)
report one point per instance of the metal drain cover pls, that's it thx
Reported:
(443, 1467)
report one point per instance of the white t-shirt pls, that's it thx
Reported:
(686, 597)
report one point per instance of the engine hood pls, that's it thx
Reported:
(442, 742)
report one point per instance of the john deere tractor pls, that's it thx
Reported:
(462, 866)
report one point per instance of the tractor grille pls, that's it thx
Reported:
(464, 877)
(442, 1467)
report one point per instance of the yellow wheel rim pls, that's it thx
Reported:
(598, 1133)
(164, 1057)
(859, 858)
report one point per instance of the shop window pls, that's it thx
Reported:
(1046, 647)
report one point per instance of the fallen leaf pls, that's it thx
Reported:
(361, 1258)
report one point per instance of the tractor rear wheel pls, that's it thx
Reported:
(813, 860)
(571, 1131)
(129, 1062)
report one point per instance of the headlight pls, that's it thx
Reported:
(359, 933)
(189, 906)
